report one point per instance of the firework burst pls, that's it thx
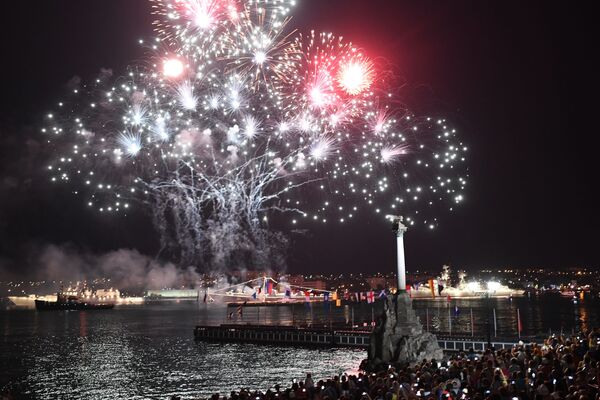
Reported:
(235, 119)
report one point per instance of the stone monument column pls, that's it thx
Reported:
(400, 228)
(398, 337)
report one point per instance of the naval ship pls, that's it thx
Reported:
(75, 299)
(441, 288)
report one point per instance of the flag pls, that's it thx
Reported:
(254, 295)
(370, 297)
(269, 287)
(432, 288)
(456, 310)
(326, 303)
(307, 297)
(288, 291)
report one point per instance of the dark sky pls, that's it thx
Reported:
(517, 78)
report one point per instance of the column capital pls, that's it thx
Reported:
(397, 224)
(400, 229)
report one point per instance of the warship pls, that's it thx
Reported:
(75, 299)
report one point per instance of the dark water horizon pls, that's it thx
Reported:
(148, 351)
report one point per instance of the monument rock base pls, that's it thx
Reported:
(399, 338)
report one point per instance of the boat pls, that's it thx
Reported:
(175, 295)
(263, 291)
(43, 305)
(29, 300)
(75, 299)
(568, 293)
(442, 288)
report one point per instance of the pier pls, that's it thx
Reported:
(326, 336)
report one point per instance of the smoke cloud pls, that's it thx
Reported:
(126, 268)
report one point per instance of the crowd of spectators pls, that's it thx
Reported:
(560, 368)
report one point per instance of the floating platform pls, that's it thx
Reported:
(283, 335)
(477, 344)
(325, 336)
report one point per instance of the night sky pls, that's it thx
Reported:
(516, 78)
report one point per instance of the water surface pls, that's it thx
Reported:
(135, 352)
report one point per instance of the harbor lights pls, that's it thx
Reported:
(399, 228)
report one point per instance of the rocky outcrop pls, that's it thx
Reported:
(399, 337)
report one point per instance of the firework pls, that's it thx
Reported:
(173, 68)
(355, 75)
(234, 119)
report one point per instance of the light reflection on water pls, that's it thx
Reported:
(136, 352)
(144, 352)
(539, 315)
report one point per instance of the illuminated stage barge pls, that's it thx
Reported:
(327, 337)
